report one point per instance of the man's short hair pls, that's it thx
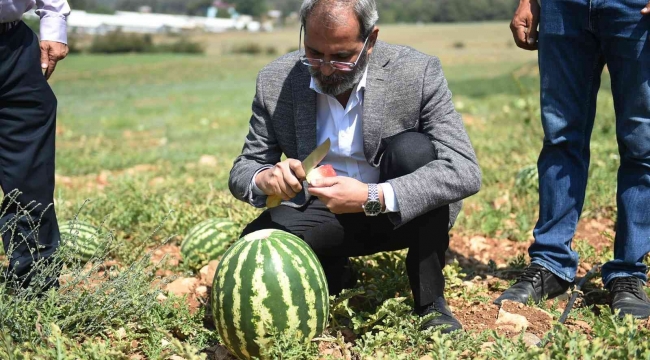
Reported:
(365, 10)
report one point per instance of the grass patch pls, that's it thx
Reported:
(133, 130)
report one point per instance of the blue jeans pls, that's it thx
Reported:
(576, 39)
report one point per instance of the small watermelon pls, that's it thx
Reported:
(268, 280)
(321, 172)
(206, 241)
(81, 238)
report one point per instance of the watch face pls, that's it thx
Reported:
(373, 207)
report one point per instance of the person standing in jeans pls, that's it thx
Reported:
(576, 38)
(27, 131)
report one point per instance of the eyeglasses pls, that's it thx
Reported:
(338, 65)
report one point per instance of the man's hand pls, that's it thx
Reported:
(524, 24)
(282, 179)
(51, 53)
(342, 195)
(646, 9)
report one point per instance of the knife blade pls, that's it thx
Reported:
(310, 163)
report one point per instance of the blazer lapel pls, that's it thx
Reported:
(304, 113)
(374, 101)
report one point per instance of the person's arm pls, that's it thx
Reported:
(260, 152)
(524, 24)
(455, 174)
(53, 34)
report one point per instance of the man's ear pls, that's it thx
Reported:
(372, 39)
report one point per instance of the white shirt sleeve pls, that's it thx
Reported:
(256, 189)
(53, 14)
(257, 197)
(389, 198)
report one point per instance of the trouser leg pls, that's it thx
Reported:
(427, 236)
(27, 134)
(623, 31)
(570, 63)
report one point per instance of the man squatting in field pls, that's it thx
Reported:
(576, 39)
(397, 143)
(27, 130)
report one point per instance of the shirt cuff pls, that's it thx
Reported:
(257, 197)
(54, 29)
(389, 198)
(256, 190)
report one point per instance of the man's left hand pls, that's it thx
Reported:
(51, 53)
(646, 9)
(341, 194)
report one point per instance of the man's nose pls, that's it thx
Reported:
(327, 69)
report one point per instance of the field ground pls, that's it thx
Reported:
(149, 140)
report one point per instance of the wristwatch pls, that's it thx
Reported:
(372, 206)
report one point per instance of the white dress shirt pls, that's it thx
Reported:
(343, 126)
(53, 14)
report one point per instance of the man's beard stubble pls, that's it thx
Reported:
(340, 82)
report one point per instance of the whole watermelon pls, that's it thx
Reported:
(81, 238)
(206, 241)
(267, 280)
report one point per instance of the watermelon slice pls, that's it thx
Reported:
(320, 172)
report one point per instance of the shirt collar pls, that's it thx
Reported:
(360, 86)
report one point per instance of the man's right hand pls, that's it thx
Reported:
(51, 53)
(524, 24)
(282, 179)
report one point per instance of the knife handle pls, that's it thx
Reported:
(273, 201)
(276, 200)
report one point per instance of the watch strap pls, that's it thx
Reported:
(373, 192)
(373, 198)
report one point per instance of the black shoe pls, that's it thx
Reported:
(628, 297)
(535, 283)
(350, 278)
(344, 280)
(444, 316)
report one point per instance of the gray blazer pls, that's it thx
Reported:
(406, 91)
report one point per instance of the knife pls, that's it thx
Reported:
(308, 165)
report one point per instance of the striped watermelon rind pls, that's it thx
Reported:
(206, 241)
(268, 281)
(81, 238)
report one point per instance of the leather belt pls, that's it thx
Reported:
(5, 27)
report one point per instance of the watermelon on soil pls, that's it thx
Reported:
(81, 238)
(268, 280)
(206, 241)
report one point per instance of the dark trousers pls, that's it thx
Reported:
(27, 131)
(335, 238)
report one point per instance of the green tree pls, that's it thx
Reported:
(390, 11)
(94, 6)
(286, 6)
(250, 7)
(198, 7)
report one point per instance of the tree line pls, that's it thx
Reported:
(390, 11)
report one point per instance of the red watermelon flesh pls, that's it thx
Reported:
(320, 172)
